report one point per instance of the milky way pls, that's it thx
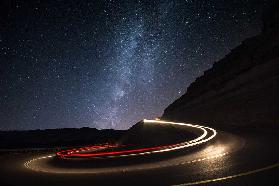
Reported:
(109, 64)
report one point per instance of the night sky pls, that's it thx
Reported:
(109, 64)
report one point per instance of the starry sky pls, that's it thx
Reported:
(109, 64)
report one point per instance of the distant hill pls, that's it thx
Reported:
(57, 137)
(242, 89)
(140, 135)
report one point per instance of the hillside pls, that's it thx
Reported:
(242, 89)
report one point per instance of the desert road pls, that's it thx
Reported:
(212, 157)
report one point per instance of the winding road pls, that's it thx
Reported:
(211, 158)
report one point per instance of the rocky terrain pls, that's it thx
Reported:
(242, 89)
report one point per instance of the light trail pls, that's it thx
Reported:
(40, 164)
(79, 153)
(69, 152)
(206, 135)
(29, 165)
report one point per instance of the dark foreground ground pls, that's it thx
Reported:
(251, 154)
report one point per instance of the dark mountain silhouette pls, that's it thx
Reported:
(57, 137)
(242, 89)
(153, 134)
(141, 134)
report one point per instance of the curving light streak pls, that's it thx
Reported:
(207, 134)
(78, 153)
(29, 165)
(69, 152)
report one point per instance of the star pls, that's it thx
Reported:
(111, 64)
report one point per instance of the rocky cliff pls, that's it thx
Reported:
(242, 89)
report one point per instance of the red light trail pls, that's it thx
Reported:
(86, 152)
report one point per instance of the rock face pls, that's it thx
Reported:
(242, 89)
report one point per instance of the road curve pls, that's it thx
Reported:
(207, 134)
(214, 158)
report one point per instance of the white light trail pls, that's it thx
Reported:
(207, 135)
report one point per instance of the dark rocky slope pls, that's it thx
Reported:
(242, 89)
(154, 134)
